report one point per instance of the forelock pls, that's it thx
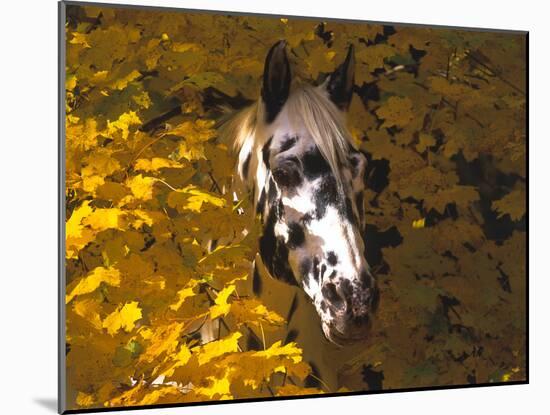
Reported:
(307, 109)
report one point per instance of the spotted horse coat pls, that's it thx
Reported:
(307, 180)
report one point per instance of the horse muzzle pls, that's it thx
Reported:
(350, 318)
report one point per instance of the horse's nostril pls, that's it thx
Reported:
(333, 297)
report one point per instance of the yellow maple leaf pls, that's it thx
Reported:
(146, 394)
(183, 355)
(320, 59)
(281, 359)
(425, 141)
(219, 388)
(99, 165)
(195, 131)
(101, 219)
(180, 359)
(73, 227)
(191, 152)
(462, 196)
(184, 47)
(374, 55)
(92, 281)
(192, 198)
(224, 254)
(82, 135)
(396, 111)
(72, 119)
(155, 164)
(121, 83)
(289, 350)
(84, 399)
(142, 216)
(162, 339)
(226, 274)
(89, 309)
(224, 161)
(70, 82)
(99, 77)
(141, 187)
(79, 39)
(251, 310)
(513, 204)
(168, 392)
(449, 89)
(222, 307)
(100, 162)
(128, 397)
(142, 99)
(420, 223)
(183, 294)
(255, 368)
(122, 124)
(217, 348)
(124, 317)
(91, 183)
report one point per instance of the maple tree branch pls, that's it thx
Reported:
(155, 122)
(212, 98)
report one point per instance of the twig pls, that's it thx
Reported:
(221, 319)
(321, 381)
(269, 389)
(145, 147)
(166, 184)
(263, 335)
(433, 114)
(215, 182)
(95, 23)
(252, 333)
(449, 63)
(495, 73)
(394, 69)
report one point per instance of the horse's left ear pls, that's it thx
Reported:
(340, 83)
(276, 82)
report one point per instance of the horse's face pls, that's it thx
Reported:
(312, 235)
(313, 217)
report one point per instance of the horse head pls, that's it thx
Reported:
(297, 157)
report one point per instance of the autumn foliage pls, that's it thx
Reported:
(441, 114)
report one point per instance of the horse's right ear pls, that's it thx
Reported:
(276, 83)
(340, 82)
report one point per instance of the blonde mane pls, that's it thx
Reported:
(307, 108)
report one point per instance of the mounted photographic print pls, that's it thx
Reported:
(258, 207)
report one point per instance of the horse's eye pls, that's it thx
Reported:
(287, 174)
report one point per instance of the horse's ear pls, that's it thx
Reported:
(340, 83)
(276, 83)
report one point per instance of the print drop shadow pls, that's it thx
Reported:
(48, 403)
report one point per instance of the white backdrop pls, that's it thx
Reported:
(28, 157)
